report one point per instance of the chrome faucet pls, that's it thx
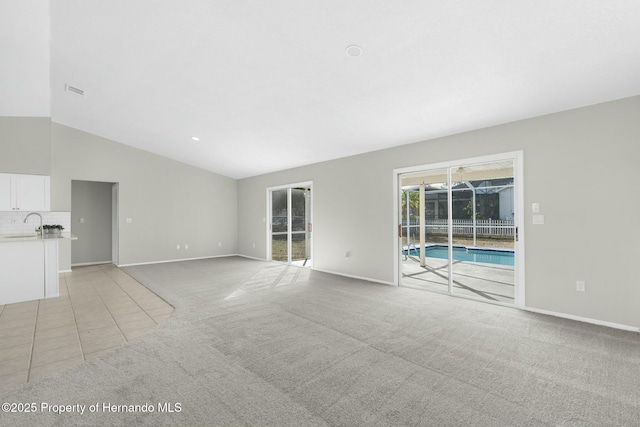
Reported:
(35, 213)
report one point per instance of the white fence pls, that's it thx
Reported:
(484, 227)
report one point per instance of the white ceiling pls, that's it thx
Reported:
(268, 85)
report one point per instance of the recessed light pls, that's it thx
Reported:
(195, 138)
(354, 50)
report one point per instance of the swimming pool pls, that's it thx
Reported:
(460, 253)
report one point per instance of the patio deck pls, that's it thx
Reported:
(489, 282)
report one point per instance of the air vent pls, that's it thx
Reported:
(75, 90)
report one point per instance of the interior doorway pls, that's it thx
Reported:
(290, 224)
(459, 228)
(94, 220)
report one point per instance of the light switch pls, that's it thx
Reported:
(81, 220)
(129, 220)
(538, 219)
(535, 207)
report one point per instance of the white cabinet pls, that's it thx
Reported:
(28, 269)
(32, 193)
(22, 273)
(5, 192)
(24, 192)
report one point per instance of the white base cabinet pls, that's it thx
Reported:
(21, 271)
(28, 269)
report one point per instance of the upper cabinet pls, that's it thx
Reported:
(24, 192)
(5, 192)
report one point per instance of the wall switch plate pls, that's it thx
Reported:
(81, 220)
(254, 244)
(580, 286)
(535, 207)
(219, 243)
(186, 246)
(177, 246)
(129, 220)
(538, 219)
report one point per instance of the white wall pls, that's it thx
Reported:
(25, 43)
(578, 164)
(507, 208)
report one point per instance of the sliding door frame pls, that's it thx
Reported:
(269, 219)
(517, 158)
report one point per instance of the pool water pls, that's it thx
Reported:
(489, 256)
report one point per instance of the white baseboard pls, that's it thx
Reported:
(251, 257)
(80, 264)
(174, 260)
(584, 319)
(368, 279)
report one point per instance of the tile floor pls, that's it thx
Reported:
(99, 308)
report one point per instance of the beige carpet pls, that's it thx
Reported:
(252, 343)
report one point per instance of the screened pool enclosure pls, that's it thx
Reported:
(458, 230)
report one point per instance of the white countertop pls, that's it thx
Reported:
(10, 238)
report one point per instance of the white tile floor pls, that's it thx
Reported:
(99, 308)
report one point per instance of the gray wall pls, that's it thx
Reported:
(25, 145)
(580, 165)
(91, 201)
(169, 202)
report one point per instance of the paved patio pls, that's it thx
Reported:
(490, 282)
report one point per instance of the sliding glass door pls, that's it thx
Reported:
(280, 225)
(424, 224)
(484, 231)
(459, 229)
(290, 224)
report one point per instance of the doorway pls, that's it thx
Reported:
(290, 224)
(459, 228)
(94, 220)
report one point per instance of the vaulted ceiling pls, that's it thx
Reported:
(270, 85)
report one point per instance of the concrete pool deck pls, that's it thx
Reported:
(491, 282)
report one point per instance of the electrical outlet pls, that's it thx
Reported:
(81, 220)
(186, 246)
(177, 246)
(580, 286)
(219, 243)
(254, 244)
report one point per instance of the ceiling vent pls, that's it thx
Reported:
(75, 90)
